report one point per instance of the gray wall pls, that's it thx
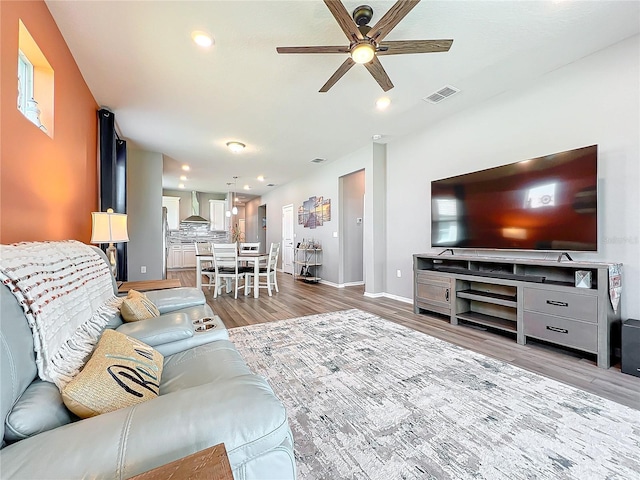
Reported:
(144, 214)
(352, 209)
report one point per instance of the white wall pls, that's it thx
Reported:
(595, 100)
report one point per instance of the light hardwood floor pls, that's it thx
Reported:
(297, 299)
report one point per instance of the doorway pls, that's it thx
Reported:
(287, 239)
(352, 226)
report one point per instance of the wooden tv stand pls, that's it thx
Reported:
(527, 298)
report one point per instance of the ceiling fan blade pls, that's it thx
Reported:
(414, 46)
(320, 49)
(343, 18)
(377, 71)
(391, 19)
(344, 68)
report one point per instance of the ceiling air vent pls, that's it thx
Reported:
(444, 92)
(318, 160)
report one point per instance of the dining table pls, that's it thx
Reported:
(248, 257)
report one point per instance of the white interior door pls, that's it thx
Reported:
(287, 239)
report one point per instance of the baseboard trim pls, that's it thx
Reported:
(398, 298)
(373, 295)
(367, 294)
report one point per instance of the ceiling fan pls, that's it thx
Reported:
(366, 43)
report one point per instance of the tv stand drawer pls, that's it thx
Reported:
(564, 304)
(562, 331)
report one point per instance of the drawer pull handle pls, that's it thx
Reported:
(556, 329)
(446, 295)
(557, 304)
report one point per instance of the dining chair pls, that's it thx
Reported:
(225, 263)
(268, 273)
(248, 247)
(208, 270)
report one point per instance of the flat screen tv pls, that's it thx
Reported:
(545, 203)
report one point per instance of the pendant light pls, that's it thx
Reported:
(234, 210)
(228, 212)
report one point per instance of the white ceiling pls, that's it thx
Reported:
(172, 97)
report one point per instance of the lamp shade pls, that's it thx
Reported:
(109, 227)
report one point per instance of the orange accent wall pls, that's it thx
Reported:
(48, 186)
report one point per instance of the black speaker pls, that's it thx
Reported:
(631, 347)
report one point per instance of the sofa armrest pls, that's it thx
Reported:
(167, 328)
(241, 412)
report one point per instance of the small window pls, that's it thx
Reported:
(35, 82)
(25, 82)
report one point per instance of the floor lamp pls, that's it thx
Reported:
(109, 227)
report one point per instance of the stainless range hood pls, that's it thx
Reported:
(195, 208)
(195, 219)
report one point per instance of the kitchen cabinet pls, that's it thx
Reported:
(188, 255)
(217, 214)
(182, 256)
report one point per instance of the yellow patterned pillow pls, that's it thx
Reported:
(137, 306)
(121, 372)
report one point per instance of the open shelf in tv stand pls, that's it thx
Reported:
(524, 298)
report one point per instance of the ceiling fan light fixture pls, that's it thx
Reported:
(363, 52)
(236, 147)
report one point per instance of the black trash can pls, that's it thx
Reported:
(631, 347)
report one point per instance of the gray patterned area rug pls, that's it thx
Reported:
(370, 399)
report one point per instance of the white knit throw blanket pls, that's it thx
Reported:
(66, 291)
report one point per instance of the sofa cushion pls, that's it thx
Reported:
(208, 363)
(167, 328)
(241, 412)
(137, 307)
(40, 408)
(121, 372)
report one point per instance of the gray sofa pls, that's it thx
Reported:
(207, 396)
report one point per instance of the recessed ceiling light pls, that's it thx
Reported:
(376, 137)
(181, 185)
(382, 103)
(247, 187)
(260, 178)
(202, 38)
(236, 147)
(183, 178)
(186, 168)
